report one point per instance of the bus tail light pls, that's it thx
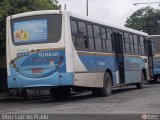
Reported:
(61, 57)
(13, 63)
(59, 62)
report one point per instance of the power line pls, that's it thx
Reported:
(147, 3)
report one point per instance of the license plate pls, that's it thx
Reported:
(37, 70)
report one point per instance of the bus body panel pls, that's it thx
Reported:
(133, 68)
(38, 65)
(69, 47)
(91, 66)
(156, 60)
(46, 68)
(157, 72)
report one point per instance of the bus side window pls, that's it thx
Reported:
(145, 46)
(142, 45)
(123, 41)
(136, 48)
(103, 32)
(132, 44)
(127, 43)
(82, 28)
(74, 30)
(138, 43)
(90, 37)
(82, 41)
(97, 37)
(109, 40)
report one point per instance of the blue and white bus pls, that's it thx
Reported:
(62, 51)
(156, 58)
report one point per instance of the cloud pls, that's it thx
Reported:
(110, 11)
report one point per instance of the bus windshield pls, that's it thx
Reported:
(36, 29)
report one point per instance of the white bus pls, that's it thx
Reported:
(62, 51)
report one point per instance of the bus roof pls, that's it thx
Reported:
(40, 12)
(77, 16)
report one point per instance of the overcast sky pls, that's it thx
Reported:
(111, 11)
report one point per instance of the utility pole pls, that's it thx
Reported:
(87, 8)
(65, 7)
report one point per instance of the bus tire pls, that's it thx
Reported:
(107, 87)
(155, 79)
(141, 84)
(23, 94)
(60, 93)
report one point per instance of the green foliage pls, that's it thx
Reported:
(11, 7)
(146, 19)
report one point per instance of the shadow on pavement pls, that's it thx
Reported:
(73, 98)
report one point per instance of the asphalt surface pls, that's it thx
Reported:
(122, 101)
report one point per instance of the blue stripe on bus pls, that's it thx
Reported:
(98, 64)
(133, 65)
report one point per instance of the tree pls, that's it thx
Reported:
(11, 7)
(146, 19)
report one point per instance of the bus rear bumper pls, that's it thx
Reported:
(55, 80)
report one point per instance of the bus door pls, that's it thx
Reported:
(150, 57)
(119, 56)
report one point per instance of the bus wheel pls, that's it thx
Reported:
(60, 93)
(141, 84)
(24, 94)
(107, 87)
(155, 79)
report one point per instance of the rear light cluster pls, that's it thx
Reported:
(59, 62)
(61, 58)
(14, 65)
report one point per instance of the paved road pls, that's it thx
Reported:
(126, 101)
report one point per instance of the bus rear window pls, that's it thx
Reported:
(36, 29)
